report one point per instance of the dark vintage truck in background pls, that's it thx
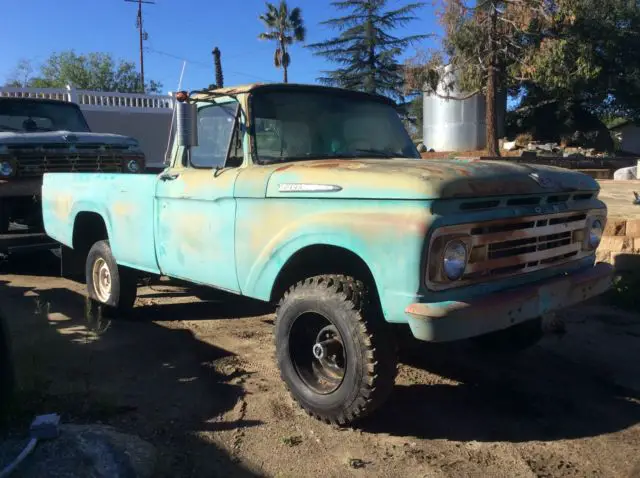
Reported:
(315, 199)
(38, 136)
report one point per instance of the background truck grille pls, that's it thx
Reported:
(34, 165)
(513, 246)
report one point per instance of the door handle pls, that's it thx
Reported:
(168, 176)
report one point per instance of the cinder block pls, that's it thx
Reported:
(615, 227)
(603, 256)
(625, 262)
(633, 228)
(616, 244)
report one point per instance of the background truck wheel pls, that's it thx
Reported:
(107, 282)
(513, 340)
(335, 354)
(7, 374)
(4, 218)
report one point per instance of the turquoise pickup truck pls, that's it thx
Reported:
(315, 199)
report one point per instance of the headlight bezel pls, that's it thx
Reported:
(11, 164)
(458, 264)
(591, 221)
(127, 160)
(136, 166)
(435, 268)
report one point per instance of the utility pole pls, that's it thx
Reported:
(143, 36)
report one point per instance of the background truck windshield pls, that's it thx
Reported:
(298, 125)
(32, 116)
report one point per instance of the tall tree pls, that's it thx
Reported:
(92, 71)
(366, 50)
(486, 44)
(284, 27)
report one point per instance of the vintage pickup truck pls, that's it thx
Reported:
(316, 199)
(41, 135)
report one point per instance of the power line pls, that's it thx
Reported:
(143, 36)
(204, 65)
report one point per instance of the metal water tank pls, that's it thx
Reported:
(456, 123)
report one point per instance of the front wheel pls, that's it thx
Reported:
(107, 282)
(335, 355)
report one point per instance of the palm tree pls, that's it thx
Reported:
(285, 28)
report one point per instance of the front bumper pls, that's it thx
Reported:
(449, 321)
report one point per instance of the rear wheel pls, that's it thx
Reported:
(108, 283)
(334, 353)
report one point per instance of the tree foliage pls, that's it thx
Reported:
(92, 71)
(576, 54)
(283, 27)
(588, 52)
(366, 51)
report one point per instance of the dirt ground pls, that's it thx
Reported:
(194, 374)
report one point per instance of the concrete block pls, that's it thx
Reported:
(616, 244)
(603, 256)
(633, 228)
(616, 227)
(625, 262)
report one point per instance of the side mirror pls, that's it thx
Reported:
(187, 124)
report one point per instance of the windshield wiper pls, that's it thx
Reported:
(8, 128)
(376, 152)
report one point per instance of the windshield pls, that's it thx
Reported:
(22, 116)
(299, 125)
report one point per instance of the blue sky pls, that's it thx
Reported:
(187, 29)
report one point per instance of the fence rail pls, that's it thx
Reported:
(98, 100)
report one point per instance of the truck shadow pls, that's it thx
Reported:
(539, 396)
(157, 382)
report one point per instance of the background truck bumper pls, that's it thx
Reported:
(13, 188)
(449, 321)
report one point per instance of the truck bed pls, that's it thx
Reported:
(124, 203)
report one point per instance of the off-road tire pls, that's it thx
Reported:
(368, 344)
(511, 341)
(124, 287)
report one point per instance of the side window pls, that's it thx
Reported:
(215, 126)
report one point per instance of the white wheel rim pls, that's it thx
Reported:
(101, 280)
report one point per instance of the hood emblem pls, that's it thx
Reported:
(308, 188)
(543, 181)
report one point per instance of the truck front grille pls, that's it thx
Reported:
(34, 165)
(513, 246)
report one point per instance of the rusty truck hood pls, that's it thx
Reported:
(420, 179)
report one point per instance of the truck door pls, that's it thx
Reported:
(195, 205)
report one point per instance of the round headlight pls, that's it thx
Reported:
(595, 234)
(6, 169)
(454, 260)
(133, 166)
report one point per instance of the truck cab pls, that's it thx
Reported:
(316, 200)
